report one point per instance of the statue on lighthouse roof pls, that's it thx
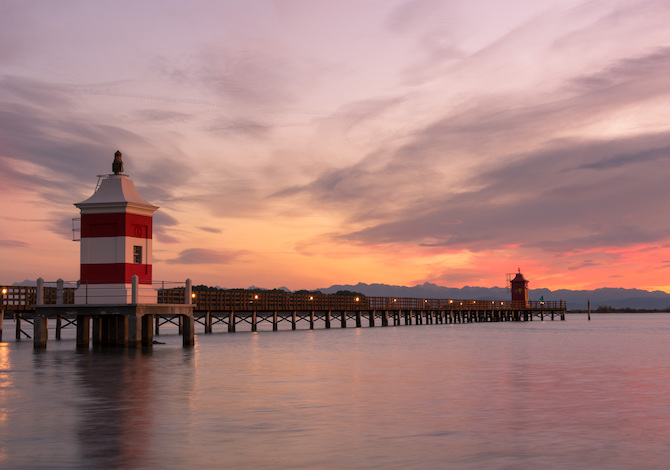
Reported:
(117, 166)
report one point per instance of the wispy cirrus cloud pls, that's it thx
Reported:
(210, 229)
(205, 256)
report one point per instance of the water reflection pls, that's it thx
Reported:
(119, 405)
(6, 384)
(115, 412)
(541, 395)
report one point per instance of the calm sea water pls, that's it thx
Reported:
(550, 395)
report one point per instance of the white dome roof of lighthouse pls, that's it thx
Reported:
(116, 192)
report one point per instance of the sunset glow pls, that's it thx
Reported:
(301, 143)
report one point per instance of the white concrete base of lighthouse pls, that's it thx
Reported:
(114, 325)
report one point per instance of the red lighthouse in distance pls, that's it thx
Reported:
(116, 242)
(519, 287)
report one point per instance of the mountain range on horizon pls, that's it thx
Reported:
(615, 297)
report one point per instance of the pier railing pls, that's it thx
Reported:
(212, 300)
(21, 298)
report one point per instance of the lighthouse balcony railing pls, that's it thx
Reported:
(132, 291)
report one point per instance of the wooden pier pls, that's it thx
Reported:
(237, 310)
(233, 308)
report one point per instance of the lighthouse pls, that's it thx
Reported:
(519, 287)
(116, 242)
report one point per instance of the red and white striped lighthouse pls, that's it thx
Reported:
(116, 236)
(519, 287)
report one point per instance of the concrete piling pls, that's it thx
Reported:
(40, 332)
(189, 331)
(83, 326)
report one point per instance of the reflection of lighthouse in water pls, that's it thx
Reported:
(128, 404)
(116, 242)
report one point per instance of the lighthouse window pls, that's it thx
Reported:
(137, 254)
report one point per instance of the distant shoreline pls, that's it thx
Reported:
(606, 309)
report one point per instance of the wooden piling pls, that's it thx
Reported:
(208, 322)
(231, 322)
(274, 321)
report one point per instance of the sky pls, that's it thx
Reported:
(306, 143)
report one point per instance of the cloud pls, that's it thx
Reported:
(204, 256)
(549, 199)
(519, 168)
(63, 146)
(61, 223)
(34, 91)
(626, 159)
(240, 128)
(210, 229)
(413, 14)
(163, 224)
(457, 276)
(14, 244)
(588, 263)
(46, 139)
(258, 75)
(162, 116)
